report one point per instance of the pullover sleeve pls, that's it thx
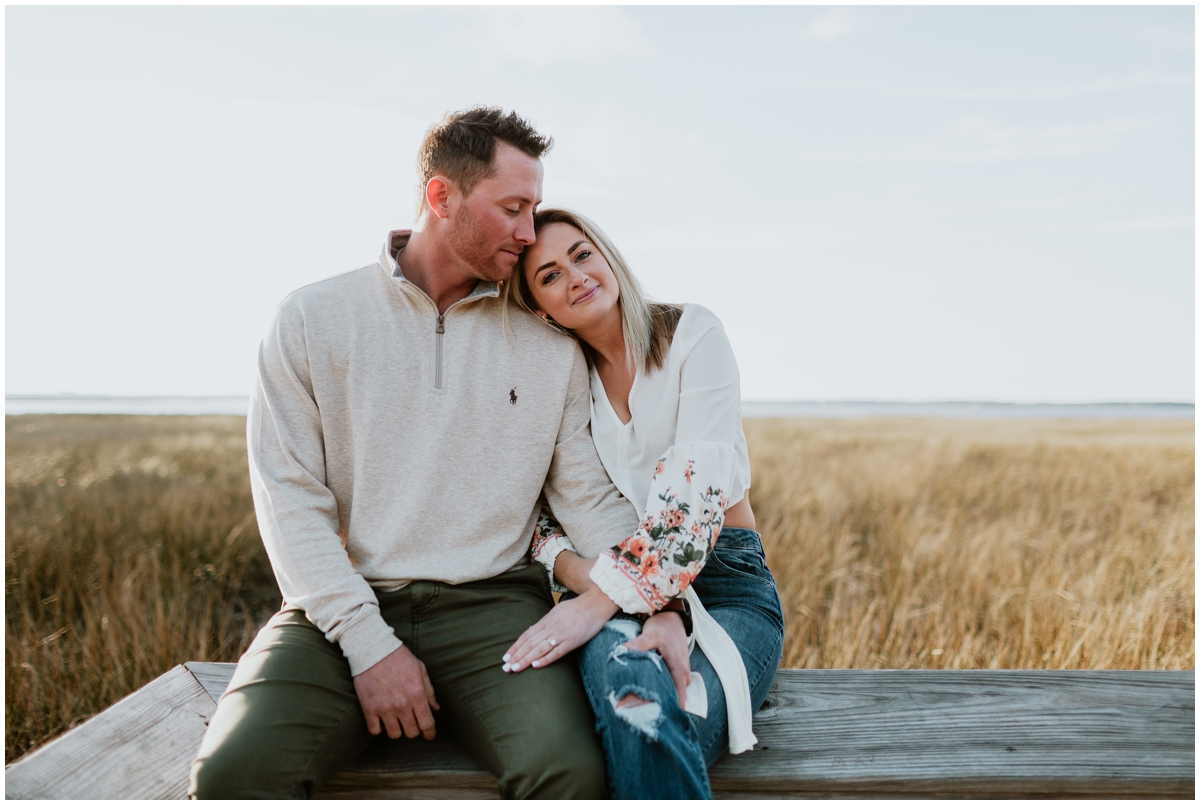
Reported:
(578, 490)
(297, 513)
(695, 481)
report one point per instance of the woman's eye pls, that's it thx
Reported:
(549, 277)
(583, 255)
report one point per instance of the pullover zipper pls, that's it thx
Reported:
(441, 325)
(441, 331)
(438, 375)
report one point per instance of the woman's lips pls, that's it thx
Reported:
(586, 296)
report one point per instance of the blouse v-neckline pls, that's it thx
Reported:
(628, 401)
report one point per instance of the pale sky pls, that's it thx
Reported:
(880, 203)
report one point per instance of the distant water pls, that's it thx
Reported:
(16, 404)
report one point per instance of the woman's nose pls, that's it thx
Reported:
(577, 277)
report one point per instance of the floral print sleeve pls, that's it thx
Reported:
(549, 540)
(683, 517)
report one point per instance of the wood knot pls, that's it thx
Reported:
(769, 709)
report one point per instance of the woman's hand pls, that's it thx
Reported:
(572, 571)
(665, 632)
(563, 629)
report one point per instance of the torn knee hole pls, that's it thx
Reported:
(629, 700)
(641, 714)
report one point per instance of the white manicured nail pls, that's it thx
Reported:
(534, 663)
(507, 657)
(516, 666)
(505, 667)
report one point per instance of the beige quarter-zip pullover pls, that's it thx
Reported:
(388, 444)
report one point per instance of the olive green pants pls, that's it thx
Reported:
(291, 719)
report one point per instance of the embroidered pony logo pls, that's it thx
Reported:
(512, 396)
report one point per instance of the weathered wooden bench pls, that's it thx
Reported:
(821, 734)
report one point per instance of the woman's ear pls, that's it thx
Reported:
(437, 196)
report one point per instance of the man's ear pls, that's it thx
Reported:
(437, 196)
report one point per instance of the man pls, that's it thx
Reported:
(401, 435)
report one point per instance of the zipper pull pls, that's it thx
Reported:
(441, 325)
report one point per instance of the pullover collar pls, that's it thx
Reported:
(396, 240)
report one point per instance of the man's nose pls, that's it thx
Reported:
(524, 233)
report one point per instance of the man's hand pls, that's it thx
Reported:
(560, 631)
(397, 694)
(666, 633)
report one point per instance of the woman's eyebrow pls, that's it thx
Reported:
(570, 252)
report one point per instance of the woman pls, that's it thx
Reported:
(666, 421)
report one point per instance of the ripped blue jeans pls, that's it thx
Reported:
(655, 750)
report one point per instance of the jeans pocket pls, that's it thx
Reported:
(741, 563)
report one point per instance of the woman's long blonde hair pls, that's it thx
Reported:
(646, 326)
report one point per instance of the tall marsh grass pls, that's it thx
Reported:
(131, 547)
(967, 544)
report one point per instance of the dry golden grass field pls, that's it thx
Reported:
(968, 544)
(131, 547)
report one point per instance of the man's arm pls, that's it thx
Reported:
(591, 510)
(297, 512)
(595, 515)
(298, 519)
(587, 504)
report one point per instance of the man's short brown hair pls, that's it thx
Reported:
(462, 147)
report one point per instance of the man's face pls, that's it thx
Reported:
(492, 226)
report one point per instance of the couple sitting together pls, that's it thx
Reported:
(491, 411)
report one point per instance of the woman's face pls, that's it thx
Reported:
(569, 279)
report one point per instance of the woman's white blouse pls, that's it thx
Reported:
(692, 403)
(681, 459)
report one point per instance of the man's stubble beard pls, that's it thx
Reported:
(468, 245)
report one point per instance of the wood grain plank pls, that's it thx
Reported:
(831, 734)
(918, 734)
(140, 748)
(970, 733)
(214, 676)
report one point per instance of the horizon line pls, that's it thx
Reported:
(78, 396)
